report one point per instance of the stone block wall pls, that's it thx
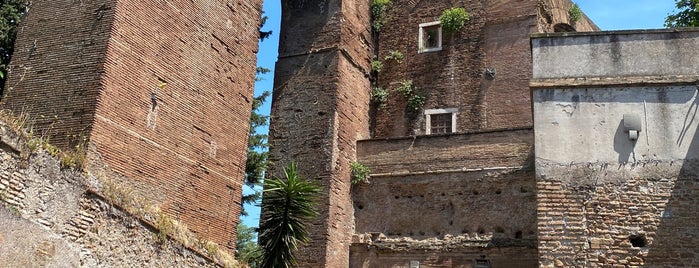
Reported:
(50, 216)
(183, 145)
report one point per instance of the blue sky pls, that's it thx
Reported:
(607, 14)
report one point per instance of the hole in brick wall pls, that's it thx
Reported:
(464, 231)
(518, 234)
(397, 197)
(638, 241)
(461, 194)
(421, 196)
(481, 230)
(523, 190)
(437, 233)
(399, 234)
(451, 223)
(422, 233)
(360, 207)
(410, 234)
(442, 194)
(475, 192)
(410, 196)
(498, 191)
(499, 230)
(321, 113)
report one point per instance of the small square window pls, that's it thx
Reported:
(440, 121)
(430, 37)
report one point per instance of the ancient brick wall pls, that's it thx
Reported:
(383, 253)
(496, 37)
(56, 67)
(183, 145)
(466, 151)
(319, 109)
(607, 198)
(50, 216)
(443, 194)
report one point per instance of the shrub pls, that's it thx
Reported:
(574, 14)
(379, 96)
(360, 173)
(453, 19)
(394, 55)
(376, 65)
(379, 8)
(414, 100)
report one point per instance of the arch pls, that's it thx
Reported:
(563, 28)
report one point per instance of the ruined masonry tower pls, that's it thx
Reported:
(319, 110)
(91, 69)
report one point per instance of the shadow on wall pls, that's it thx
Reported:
(676, 241)
(623, 145)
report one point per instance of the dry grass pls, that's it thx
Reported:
(123, 196)
(118, 194)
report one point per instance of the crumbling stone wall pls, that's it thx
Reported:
(49, 218)
(90, 70)
(446, 200)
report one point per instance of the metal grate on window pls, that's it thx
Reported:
(440, 123)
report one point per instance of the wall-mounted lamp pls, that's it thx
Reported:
(632, 125)
(490, 73)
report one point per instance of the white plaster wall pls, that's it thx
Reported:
(613, 54)
(583, 125)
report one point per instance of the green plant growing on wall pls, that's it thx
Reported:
(379, 8)
(360, 173)
(453, 19)
(414, 100)
(574, 14)
(376, 65)
(394, 55)
(379, 96)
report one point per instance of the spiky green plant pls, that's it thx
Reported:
(288, 205)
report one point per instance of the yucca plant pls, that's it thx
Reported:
(288, 205)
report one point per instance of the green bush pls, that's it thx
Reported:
(379, 96)
(360, 173)
(453, 19)
(394, 55)
(574, 14)
(379, 8)
(414, 100)
(376, 65)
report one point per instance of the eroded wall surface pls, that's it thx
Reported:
(90, 70)
(446, 200)
(319, 109)
(50, 218)
(605, 199)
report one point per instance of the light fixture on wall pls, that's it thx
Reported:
(632, 125)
